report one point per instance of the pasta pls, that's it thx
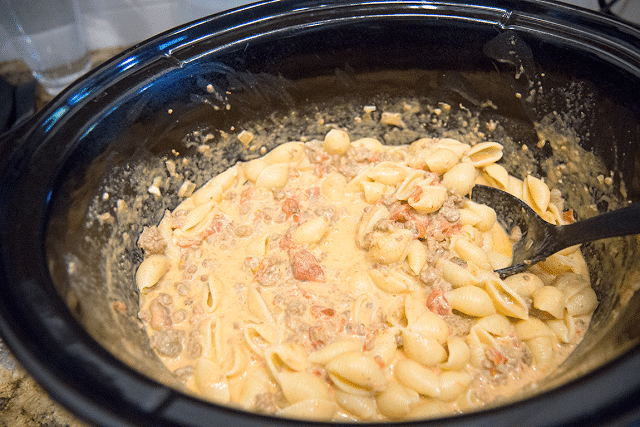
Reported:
(356, 373)
(150, 271)
(422, 348)
(471, 300)
(349, 280)
(484, 154)
(396, 401)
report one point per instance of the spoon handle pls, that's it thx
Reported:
(621, 222)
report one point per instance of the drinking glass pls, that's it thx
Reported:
(49, 36)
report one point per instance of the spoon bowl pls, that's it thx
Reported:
(540, 238)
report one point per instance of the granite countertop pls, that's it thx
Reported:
(23, 403)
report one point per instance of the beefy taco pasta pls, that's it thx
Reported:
(349, 280)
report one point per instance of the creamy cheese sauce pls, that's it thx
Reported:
(349, 280)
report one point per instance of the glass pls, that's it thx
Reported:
(49, 36)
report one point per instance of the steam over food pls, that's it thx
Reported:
(349, 280)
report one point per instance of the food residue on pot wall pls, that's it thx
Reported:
(155, 185)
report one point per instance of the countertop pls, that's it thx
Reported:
(23, 403)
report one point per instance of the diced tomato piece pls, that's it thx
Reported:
(319, 311)
(189, 242)
(120, 307)
(449, 229)
(422, 230)
(291, 208)
(246, 195)
(416, 193)
(437, 304)
(421, 224)
(400, 213)
(316, 336)
(312, 193)
(215, 227)
(403, 213)
(306, 267)
(568, 216)
(379, 360)
(286, 243)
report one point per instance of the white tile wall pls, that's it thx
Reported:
(124, 22)
(626, 9)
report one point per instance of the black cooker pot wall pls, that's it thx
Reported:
(58, 288)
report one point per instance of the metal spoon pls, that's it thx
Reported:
(541, 239)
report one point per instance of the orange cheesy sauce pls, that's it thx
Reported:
(348, 280)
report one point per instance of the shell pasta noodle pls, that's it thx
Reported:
(341, 279)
